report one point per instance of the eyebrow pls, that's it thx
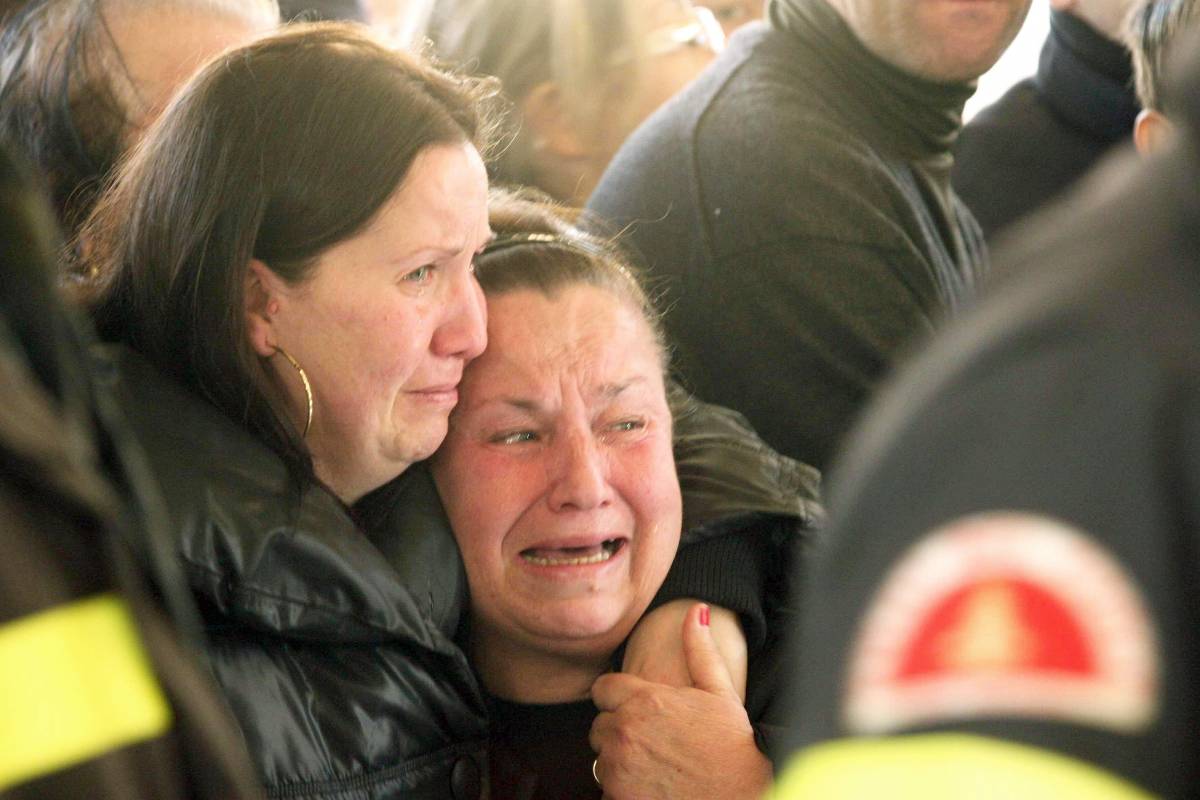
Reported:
(436, 252)
(607, 391)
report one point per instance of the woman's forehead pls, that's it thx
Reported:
(579, 319)
(439, 209)
(582, 334)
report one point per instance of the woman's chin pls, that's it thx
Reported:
(592, 624)
(418, 441)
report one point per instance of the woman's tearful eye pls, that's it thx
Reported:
(420, 276)
(514, 437)
(628, 425)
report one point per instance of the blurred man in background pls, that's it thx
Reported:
(796, 203)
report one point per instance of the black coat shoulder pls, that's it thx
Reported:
(336, 659)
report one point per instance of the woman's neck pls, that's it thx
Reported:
(518, 672)
(351, 481)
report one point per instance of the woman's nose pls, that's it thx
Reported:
(463, 332)
(580, 479)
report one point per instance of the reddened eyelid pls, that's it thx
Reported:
(419, 275)
(517, 436)
(625, 425)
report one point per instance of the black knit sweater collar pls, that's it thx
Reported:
(902, 114)
(1087, 78)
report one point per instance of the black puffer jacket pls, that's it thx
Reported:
(340, 669)
(334, 646)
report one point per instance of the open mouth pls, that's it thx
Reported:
(573, 556)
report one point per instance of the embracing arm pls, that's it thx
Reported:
(656, 741)
(655, 650)
(736, 491)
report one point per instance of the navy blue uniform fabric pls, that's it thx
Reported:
(1072, 394)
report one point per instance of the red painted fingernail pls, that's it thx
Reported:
(704, 616)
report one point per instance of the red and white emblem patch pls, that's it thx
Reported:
(1003, 615)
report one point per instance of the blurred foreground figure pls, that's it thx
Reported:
(80, 80)
(99, 695)
(796, 202)
(1048, 130)
(1009, 603)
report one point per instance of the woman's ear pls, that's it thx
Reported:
(1151, 131)
(550, 123)
(261, 307)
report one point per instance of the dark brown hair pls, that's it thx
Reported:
(276, 151)
(538, 246)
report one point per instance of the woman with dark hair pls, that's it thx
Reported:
(287, 260)
(81, 79)
(561, 487)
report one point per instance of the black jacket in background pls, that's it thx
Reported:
(793, 206)
(1048, 130)
(338, 664)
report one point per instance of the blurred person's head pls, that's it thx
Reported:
(940, 40)
(733, 14)
(1105, 16)
(10, 7)
(558, 474)
(323, 10)
(81, 79)
(1152, 30)
(581, 73)
(407, 23)
(293, 240)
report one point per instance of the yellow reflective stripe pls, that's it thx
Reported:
(75, 682)
(936, 766)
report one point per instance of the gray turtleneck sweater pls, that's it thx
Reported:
(794, 210)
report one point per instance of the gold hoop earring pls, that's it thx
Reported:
(307, 386)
